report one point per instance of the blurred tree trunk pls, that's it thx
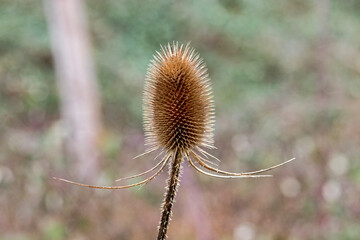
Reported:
(76, 78)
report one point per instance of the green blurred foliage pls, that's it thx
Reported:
(263, 59)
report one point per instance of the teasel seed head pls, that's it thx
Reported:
(178, 101)
(179, 118)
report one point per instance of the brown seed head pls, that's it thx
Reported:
(179, 119)
(178, 106)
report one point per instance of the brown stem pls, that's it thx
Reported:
(171, 192)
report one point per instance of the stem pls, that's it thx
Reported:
(171, 192)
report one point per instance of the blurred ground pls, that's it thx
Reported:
(285, 76)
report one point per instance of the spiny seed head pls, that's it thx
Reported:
(178, 105)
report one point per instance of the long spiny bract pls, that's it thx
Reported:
(164, 162)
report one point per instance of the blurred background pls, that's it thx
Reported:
(285, 76)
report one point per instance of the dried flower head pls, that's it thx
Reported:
(178, 105)
(179, 115)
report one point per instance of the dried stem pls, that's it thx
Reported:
(170, 195)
